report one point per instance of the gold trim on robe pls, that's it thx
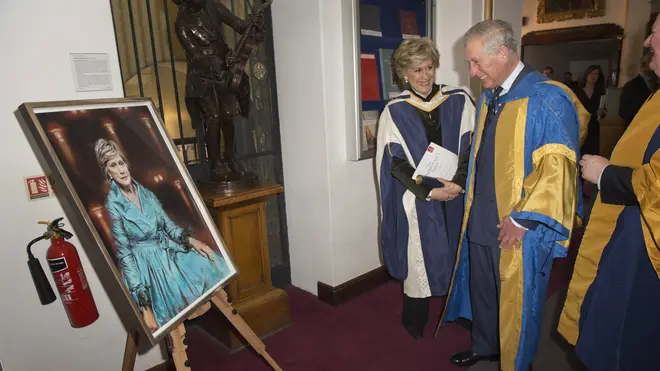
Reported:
(509, 178)
(425, 106)
(469, 197)
(628, 152)
(557, 159)
(583, 115)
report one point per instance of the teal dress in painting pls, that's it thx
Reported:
(157, 267)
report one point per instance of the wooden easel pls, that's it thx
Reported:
(177, 346)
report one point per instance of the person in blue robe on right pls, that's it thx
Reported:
(612, 309)
(523, 200)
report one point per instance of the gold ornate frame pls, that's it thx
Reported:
(77, 210)
(598, 10)
(488, 9)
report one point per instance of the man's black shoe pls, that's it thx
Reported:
(469, 358)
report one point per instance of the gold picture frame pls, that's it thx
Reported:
(563, 10)
(156, 276)
(488, 9)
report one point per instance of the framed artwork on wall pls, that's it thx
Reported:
(377, 27)
(126, 190)
(563, 10)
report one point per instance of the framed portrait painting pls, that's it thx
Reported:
(123, 181)
(563, 10)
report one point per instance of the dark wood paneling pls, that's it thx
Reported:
(569, 34)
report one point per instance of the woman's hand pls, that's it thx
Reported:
(201, 248)
(150, 319)
(446, 193)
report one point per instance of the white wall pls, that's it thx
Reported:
(615, 12)
(37, 37)
(353, 209)
(453, 18)
(510, 11)
(299, 64)
(331, 205)
(331, 202)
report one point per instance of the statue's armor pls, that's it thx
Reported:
(207, 51)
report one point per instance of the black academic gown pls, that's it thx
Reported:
(591, 145)
(633, 95)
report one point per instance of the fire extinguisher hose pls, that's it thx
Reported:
(45, 292)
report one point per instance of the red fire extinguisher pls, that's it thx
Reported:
(68, 273)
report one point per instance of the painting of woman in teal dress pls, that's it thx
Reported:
(163, 266)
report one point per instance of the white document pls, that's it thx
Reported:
(91, 71)
(437, 162)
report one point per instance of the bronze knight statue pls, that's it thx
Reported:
(217, 88)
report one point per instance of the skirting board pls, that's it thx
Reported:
(352, 289)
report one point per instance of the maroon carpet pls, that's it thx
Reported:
(364, 334)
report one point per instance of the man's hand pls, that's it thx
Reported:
(592, 166)
(446, 193)
(510, 236)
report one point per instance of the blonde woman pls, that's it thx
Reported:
(420, 222)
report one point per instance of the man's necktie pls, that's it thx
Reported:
(492, 110)
(492, 106)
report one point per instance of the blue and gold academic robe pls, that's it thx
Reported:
(536, 181)
(419, 237)
(612, 309)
